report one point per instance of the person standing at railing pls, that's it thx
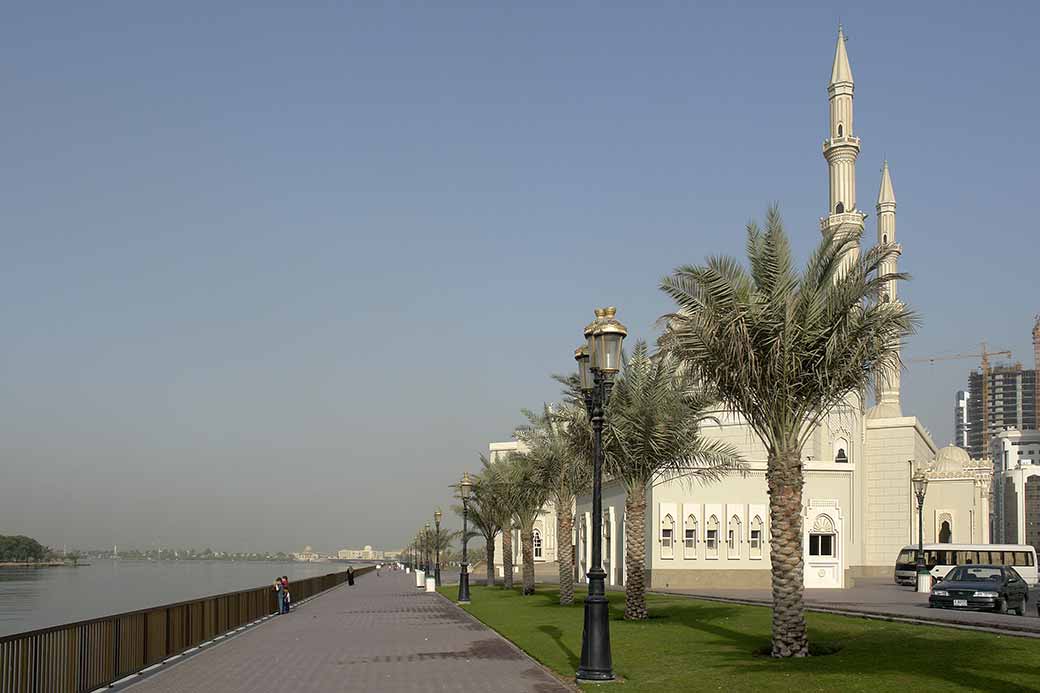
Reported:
(285, 593)
(350, 575)
(278, 595)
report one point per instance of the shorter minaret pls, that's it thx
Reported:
(888, 383)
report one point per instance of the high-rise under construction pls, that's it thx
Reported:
(1013, 399)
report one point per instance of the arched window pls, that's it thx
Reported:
(711, 537)
(841, 448)
(733, 537)
(690, 538)
(884, 238)
(756, 537)
(667, 537)
(537, 541)
(945, 533)
(839, 130)
(839, 208)
(606, 525)
(822, 538)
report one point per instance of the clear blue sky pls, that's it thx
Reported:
(277, 276)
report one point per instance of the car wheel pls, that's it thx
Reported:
(1002, 607)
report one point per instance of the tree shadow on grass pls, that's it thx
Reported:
(965, 660)
(557, 635)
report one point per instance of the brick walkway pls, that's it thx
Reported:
(380, 635)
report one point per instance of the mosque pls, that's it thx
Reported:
(858, 501)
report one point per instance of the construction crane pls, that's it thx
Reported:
(984, 357)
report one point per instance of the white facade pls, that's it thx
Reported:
(1016, 487)
(960, 419)
(858, 502)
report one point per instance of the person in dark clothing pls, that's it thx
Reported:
(350, 575)
(278, 595)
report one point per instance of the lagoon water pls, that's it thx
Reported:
(33, 598)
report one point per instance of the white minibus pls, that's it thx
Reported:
(942, 558)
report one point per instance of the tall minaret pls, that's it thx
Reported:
(888, 383)
(841, 149)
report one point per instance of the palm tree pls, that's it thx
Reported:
(525, 497)
(483, 523)
(652, 434)
(490, 495)
(782, 348)
(561, 473)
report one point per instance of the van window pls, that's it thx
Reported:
(967, 557)
(905, 556)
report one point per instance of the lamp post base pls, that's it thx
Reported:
(596, 665)
(924, 582)
(464, 584)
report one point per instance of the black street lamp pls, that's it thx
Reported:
(598, 362)
(465, 486)
(920, 488)
(437, 547)
(426, 552)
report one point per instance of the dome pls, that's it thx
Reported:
(951, 460)
(307, 549)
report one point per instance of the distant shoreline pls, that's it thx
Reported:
(40, 564)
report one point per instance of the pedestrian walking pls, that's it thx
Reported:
(350, 575)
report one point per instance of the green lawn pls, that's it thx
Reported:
(692, 645)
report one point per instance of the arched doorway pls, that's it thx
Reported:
(945, 533)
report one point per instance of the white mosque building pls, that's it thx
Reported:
(858, 502)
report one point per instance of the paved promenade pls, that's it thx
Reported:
(380, 635)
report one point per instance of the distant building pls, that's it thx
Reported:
(308, 555)
(1016, 488)
(960, 420)
(1012, 404)
(365, 554)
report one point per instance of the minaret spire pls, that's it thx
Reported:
(841, 71)
(840, 149)
(888, 383)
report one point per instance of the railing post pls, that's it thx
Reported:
(116, 631)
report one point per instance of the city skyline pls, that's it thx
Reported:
(295, 278)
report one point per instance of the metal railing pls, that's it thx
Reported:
(83, 656)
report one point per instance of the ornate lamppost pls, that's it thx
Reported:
(465, 486)
(426, 548)
(920, 480)
(437, 547)
(598, 362)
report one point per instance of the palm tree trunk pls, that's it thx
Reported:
(489, 556)
(785, 548)
(565, 554)
(635, 554)
(507, 558)
(527, 551)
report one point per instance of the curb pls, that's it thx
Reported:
(873, 615)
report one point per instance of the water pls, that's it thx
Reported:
(33, 598)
